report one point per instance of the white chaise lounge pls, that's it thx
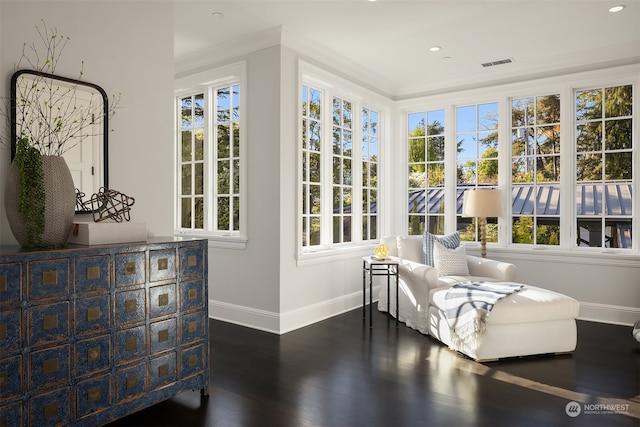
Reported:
(529, 322)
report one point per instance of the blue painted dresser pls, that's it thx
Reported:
(89, 334)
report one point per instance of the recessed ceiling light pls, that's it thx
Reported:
(217, 15)
(616, 8)
(434, 48)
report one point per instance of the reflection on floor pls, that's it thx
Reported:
(340, 373)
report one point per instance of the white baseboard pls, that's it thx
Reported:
(281, 323)
(288, 321)
(605, 313)
(240, 315)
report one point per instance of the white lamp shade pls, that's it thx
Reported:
(482, 202)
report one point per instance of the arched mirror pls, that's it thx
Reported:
(87, 150)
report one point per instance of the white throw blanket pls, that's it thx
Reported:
(467, 307)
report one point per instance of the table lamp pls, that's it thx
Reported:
(482, 203)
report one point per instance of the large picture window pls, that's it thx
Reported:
(209, 152)
(565, 158)
(477, 162)
(604, 167)
(337, 173)
(535, 170)
(426, 172)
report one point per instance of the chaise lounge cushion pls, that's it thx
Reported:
(531, 304)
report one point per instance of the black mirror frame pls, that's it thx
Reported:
(105, 119)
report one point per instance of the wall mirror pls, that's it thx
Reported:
(87, 151)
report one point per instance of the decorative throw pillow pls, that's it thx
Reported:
(450, 241)
(450, 262)
(410, 248)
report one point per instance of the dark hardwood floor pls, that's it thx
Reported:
(340, 373)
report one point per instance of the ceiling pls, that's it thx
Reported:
(390, 39)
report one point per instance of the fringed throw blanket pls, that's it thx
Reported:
(467, 307)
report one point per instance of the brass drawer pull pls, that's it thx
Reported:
(130, 305)
(163, 370)
(50, 410)
(3, 331)
(3, 378)
(93, 395)
(130, 268)
(93, 354)
(93, 273)
(163, 335)
(49, 278)
(163, 264)
(163, 299)
(131, 381)
(192, 293)
(192, 327)
(131, 344)
(50, 366)
(192, 361)
(50, 322)
(93, 314)
(3, 283)
(192, 261)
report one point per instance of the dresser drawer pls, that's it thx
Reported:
(131, 382)
(49, 323)
(10, 283)
(92, 273)
(93, 355)
(191, 295)
(130, 269)
(50, 409)
(192, 327)
(48, 279)
(163, 335)
(191, 263)
(49, 367)
(92, 315)
(162, 265)
(131, 344)
(192, 361)
(10, 329)
(11, 415)
(93, 395)
(162, 300)
(11, 377)
(162, 370)
(131, 307)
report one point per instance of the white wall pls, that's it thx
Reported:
(244, 284)
(127, 48)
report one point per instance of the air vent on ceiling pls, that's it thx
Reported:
(500, 62)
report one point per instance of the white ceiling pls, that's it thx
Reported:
(390, 39)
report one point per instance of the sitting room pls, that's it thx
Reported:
(288, 140)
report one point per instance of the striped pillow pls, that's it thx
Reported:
(450, 241)
(450, 262)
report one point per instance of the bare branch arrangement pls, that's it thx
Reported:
(53, 115)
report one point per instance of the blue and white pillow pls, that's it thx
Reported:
(449, 241)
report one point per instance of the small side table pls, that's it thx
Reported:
(378, 267)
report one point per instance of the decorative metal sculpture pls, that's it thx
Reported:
(111, 204)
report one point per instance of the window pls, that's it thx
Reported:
(210, 139)
(477, 162)
(339, 179)
(565, 158)
(426, 172)
(535, 170)
(370, 161)
(342, 169)
(604, 167)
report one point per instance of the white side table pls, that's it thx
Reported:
(378, 267)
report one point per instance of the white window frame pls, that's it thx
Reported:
(332, 86)
(208, 82)
(565, 86)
